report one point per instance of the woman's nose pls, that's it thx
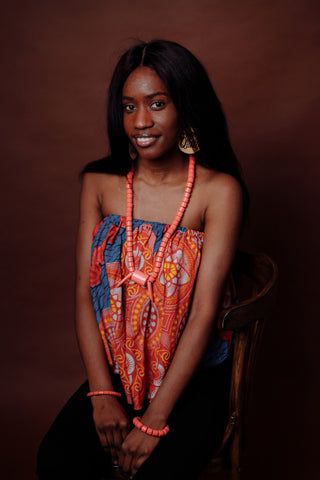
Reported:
(143, 118)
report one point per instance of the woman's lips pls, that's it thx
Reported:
(145, 140)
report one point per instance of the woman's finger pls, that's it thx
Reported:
(120, 458)
(103, 439)
(117, 439)
(112, 434)
(126, 462)
(109, 439)
(114, 456)
(136, 464)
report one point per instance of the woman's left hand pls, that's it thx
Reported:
(135, 450)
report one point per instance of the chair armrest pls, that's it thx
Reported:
(247, 311)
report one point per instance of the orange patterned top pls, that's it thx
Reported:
(140, 337)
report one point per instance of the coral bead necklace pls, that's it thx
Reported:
(137, 276)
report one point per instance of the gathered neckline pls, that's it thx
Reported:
(123, 219)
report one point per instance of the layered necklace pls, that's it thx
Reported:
(137, 276)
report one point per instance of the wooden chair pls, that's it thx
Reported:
(255, 276)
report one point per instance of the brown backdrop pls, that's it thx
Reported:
(263, 59)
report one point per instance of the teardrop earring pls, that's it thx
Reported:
(188, 142)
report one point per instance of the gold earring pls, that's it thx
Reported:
(132, 152)
(188, 143)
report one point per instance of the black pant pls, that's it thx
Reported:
(71, 449)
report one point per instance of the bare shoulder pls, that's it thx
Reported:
(218, 182)
(106, 190)
(219, 187)
(221, 197)
(98, 180)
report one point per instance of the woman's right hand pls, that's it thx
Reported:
(112, 424)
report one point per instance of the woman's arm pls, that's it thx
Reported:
(222, 227)
(89, 338)
(110, 419)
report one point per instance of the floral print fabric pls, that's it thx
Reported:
(140, 337)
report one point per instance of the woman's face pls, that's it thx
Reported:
(150, 118)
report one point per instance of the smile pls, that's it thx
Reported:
(145, 140)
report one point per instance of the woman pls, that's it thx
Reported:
(147, 331)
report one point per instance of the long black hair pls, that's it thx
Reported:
(198, 108)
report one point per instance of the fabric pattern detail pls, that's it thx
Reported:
(140, 337)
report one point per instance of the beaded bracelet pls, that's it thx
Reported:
(103, 392)
(150, 431)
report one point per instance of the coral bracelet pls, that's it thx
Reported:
(150, 431)
(103, 392)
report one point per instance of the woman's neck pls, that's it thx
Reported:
(161, 170)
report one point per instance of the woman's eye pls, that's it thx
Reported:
(158, 105)
(128, 108)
